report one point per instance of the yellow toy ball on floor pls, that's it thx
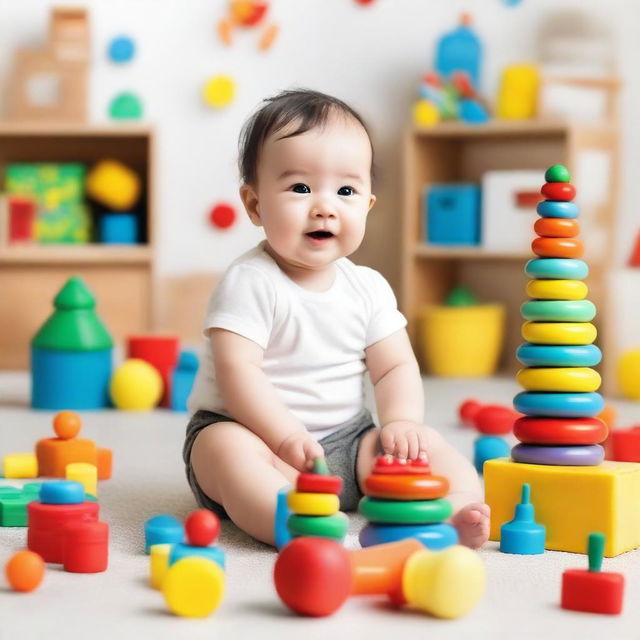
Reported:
(425, 113)
(629, 374)
(193, 587)
(136, 386)
(219, 91)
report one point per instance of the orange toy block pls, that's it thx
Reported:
(54, 454)
(105, 464)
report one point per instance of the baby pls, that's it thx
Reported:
(294, 325)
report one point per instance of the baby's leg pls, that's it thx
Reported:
(470, 514)
(234, 467)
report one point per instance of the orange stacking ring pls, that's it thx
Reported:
(560, 431)
(557, 227)
(557, 248)
(563, 191)
(408, 487)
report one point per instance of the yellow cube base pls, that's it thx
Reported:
(571, 502)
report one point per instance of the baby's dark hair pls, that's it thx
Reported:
(307, 107)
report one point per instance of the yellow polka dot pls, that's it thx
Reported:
(219, 91)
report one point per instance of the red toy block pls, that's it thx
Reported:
(593, 590)
(48, 521)
(159, 351)
(85, 547)
(495, 419)
(22, 217)
(625, 444)
(467, 411)
(390, 464)
(314, 483)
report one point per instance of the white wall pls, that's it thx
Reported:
(372, 57)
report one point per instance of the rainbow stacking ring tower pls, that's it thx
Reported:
(560, 399)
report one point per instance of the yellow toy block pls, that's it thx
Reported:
(158, 563)
(313, 504)
(570, 501)
(84, 473)
(20, 465)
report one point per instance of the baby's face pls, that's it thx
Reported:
(314, 192)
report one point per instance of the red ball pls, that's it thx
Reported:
(222, 216)
(202, 527)
(495, 419)
(468, 410)
(313, 576)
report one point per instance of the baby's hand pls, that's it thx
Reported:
(404, 439)
(299, 450)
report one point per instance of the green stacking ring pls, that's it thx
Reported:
(559, 310)
(405, 512)
(334, 526)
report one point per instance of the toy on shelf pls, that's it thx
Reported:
(523, 535)
(118, 228)
(518, 92)
(404, 500)
(113, 185)
(135, 386)
(460, 50)
(182, 380)
(452, 214)
(593, 590)
(51, 84)
(71, 354)
(159, 351)
(21, 214)
(559, 454)
(25, 571)
(247, 14)
(315, 505)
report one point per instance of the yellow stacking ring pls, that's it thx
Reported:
(566, 379)
(313, 504)
(557, 289)
(559, 332)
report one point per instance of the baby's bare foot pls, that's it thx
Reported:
(472, 523)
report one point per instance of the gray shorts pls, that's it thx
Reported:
(340, 448)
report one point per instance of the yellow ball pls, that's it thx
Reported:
(136, 386)
(425, 113)
(629, 374)
(114, 185)
(219, 91)
(557, 289)
(313, 504)
(193, 587)
(563, 379)
(446, 584)
(559, 332)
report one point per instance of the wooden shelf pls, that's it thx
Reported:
(87, 254)
(49, 129)
(472, 253)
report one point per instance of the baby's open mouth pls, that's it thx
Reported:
(320, 234)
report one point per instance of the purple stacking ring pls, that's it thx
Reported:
(573, 455)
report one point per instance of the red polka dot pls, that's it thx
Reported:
(222, 216)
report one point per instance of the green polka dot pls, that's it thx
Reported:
(557, 173)
(125, 106)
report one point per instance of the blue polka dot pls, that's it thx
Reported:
(122, 49)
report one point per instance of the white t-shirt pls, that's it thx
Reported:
(314, 342)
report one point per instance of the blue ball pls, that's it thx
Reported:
(122, 49)
(62, 492)
(488, 448)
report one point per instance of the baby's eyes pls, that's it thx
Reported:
(346, 191)
(300, 188)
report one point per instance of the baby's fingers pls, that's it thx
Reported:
(413, 444)
(402, 446)
(312, 450)
(387, 441)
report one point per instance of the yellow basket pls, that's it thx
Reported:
(462, 341)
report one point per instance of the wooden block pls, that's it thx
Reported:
(570, 501)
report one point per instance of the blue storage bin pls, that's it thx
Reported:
(119, 228)
(452, 215)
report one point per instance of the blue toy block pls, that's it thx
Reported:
(184, 376)
(282, 533)
(523, 535)
(433, 536)
(119, 228)
(180, 550)
(452, 215)
(62, 492)
(488, 448)
(70, 379)
(162, 529)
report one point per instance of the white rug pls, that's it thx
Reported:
(521, 600)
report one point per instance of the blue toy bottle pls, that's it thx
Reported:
(460, 50)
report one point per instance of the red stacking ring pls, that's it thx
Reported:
(561, 431)
(557, 248)
(556, 227)
(558, 191)
(316, 483)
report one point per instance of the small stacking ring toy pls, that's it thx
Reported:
(316, 483)
(409, 487)
(334, 526)
(557, 247)
(313, 504)
(556, 227)
(561, 405)
(432, 536)
(539, 355)
(414, 512)
(566, 379)
(557, 209)
(578, 456)
(557, 268)
(559, 332)
(531, 430)
(558, 191)
(559, 310)
(557, 289)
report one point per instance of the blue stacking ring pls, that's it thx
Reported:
(561, 405)
(557, 269)
(61, 492)
(433, 536)
(557, 209)
(573, 455)
(559, 310)
(544, 355)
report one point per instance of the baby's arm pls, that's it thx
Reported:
(252, 400)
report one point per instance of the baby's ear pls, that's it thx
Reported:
(372, 201)
(249, 199)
